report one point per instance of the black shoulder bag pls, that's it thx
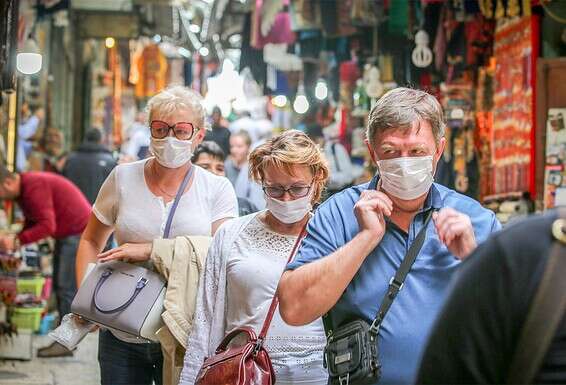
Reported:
(351, 354)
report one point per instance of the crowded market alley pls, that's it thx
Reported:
(282, 192)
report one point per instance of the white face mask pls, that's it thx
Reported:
(289, 211)
(171, 152)
(406, 177)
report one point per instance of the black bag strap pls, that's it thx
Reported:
(333, 150)
(545, 313)
(395, 283)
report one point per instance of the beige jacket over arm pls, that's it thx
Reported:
(180, 261)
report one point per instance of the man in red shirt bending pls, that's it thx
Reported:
(52, 207)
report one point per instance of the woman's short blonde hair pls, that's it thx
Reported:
(173, 98)
(289, 149)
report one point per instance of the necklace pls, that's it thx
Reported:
(155, 182)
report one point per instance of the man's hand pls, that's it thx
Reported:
(128, 252)
(8, 243)
(370, 210)
(455, 231)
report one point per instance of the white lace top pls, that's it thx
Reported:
(253, 266)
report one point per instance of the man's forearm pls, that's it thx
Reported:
(310, 291)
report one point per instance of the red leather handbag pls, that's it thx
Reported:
(247, 364)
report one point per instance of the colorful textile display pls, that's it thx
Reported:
(152, 69)
(514, 104)
(484, 130)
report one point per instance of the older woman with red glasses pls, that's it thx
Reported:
(135, 202)
(247, 257)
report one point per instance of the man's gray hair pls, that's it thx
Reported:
(400, 107)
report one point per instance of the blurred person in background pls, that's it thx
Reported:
(50, 154)
(89, 165)
(137, 145)
(219, 133)
(258, 127)
(342, 172)
(52, 207)
(134, 203)
(237, 171)
(210, 156)
(27, 129)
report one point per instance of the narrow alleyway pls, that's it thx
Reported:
(81, 369)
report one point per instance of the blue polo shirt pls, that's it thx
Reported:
(407, 324)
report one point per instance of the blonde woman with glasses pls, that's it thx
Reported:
(247, 257)
(135, 203)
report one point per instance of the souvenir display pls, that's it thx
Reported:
(555, 173)
(513, 112)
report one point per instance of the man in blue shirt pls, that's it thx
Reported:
(358, 238)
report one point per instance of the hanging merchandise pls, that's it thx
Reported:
(458, 167)
(336, 19)
(516, 50)
(361, 100)
(305, 15)
(349, 74)
(398, 17)
(422, 55)
(251, 57)
(152, 68)
(510, 8)
(267, 28)
(116, 69)
(372, 80)
(484, 130)
(278, 57)
(363, 13)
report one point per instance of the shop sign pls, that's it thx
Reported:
(102, 5)
(103, 24)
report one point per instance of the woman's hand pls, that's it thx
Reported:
(128, 252)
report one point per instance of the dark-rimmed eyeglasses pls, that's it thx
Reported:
(295, 191)
(182, 130)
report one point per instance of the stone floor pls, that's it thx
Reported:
(81, 369)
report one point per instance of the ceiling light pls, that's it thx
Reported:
(109, 42)
(301, 104)
(203, 51)
(279, 101)
(28, 59)
(321, 90)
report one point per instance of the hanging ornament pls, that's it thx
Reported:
(422, 55)
(372, 78)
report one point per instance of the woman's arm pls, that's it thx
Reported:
(92, 242)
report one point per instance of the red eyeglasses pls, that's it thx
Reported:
(182, 130)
